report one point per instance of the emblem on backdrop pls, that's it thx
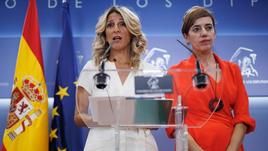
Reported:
(158, 57)
(246, 60)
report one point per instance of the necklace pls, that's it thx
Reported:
(119, 62)
(215, 104)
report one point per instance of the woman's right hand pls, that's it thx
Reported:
(193, 146)
(82, 117)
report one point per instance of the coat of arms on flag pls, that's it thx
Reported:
(21, 106)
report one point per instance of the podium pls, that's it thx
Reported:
(134, 113)
(145, 107)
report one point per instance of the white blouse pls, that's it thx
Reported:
(103, 139)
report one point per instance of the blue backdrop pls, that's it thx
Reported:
(242, 35)
(241, 30)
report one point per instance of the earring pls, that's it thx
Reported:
(138, 44)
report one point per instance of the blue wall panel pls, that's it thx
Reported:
(242, 36)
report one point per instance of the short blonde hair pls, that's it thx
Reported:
(132, 21)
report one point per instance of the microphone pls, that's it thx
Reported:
(100, 78)
(200, 80)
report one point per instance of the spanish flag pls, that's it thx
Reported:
(27, 122)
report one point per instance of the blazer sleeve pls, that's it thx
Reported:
(241, 106)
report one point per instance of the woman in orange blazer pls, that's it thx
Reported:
(218, 114)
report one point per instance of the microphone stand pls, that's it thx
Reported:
(200, 79)
(181, 131)
(116, 126)
(101, 77)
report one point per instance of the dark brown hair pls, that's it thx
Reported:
(192, 15)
